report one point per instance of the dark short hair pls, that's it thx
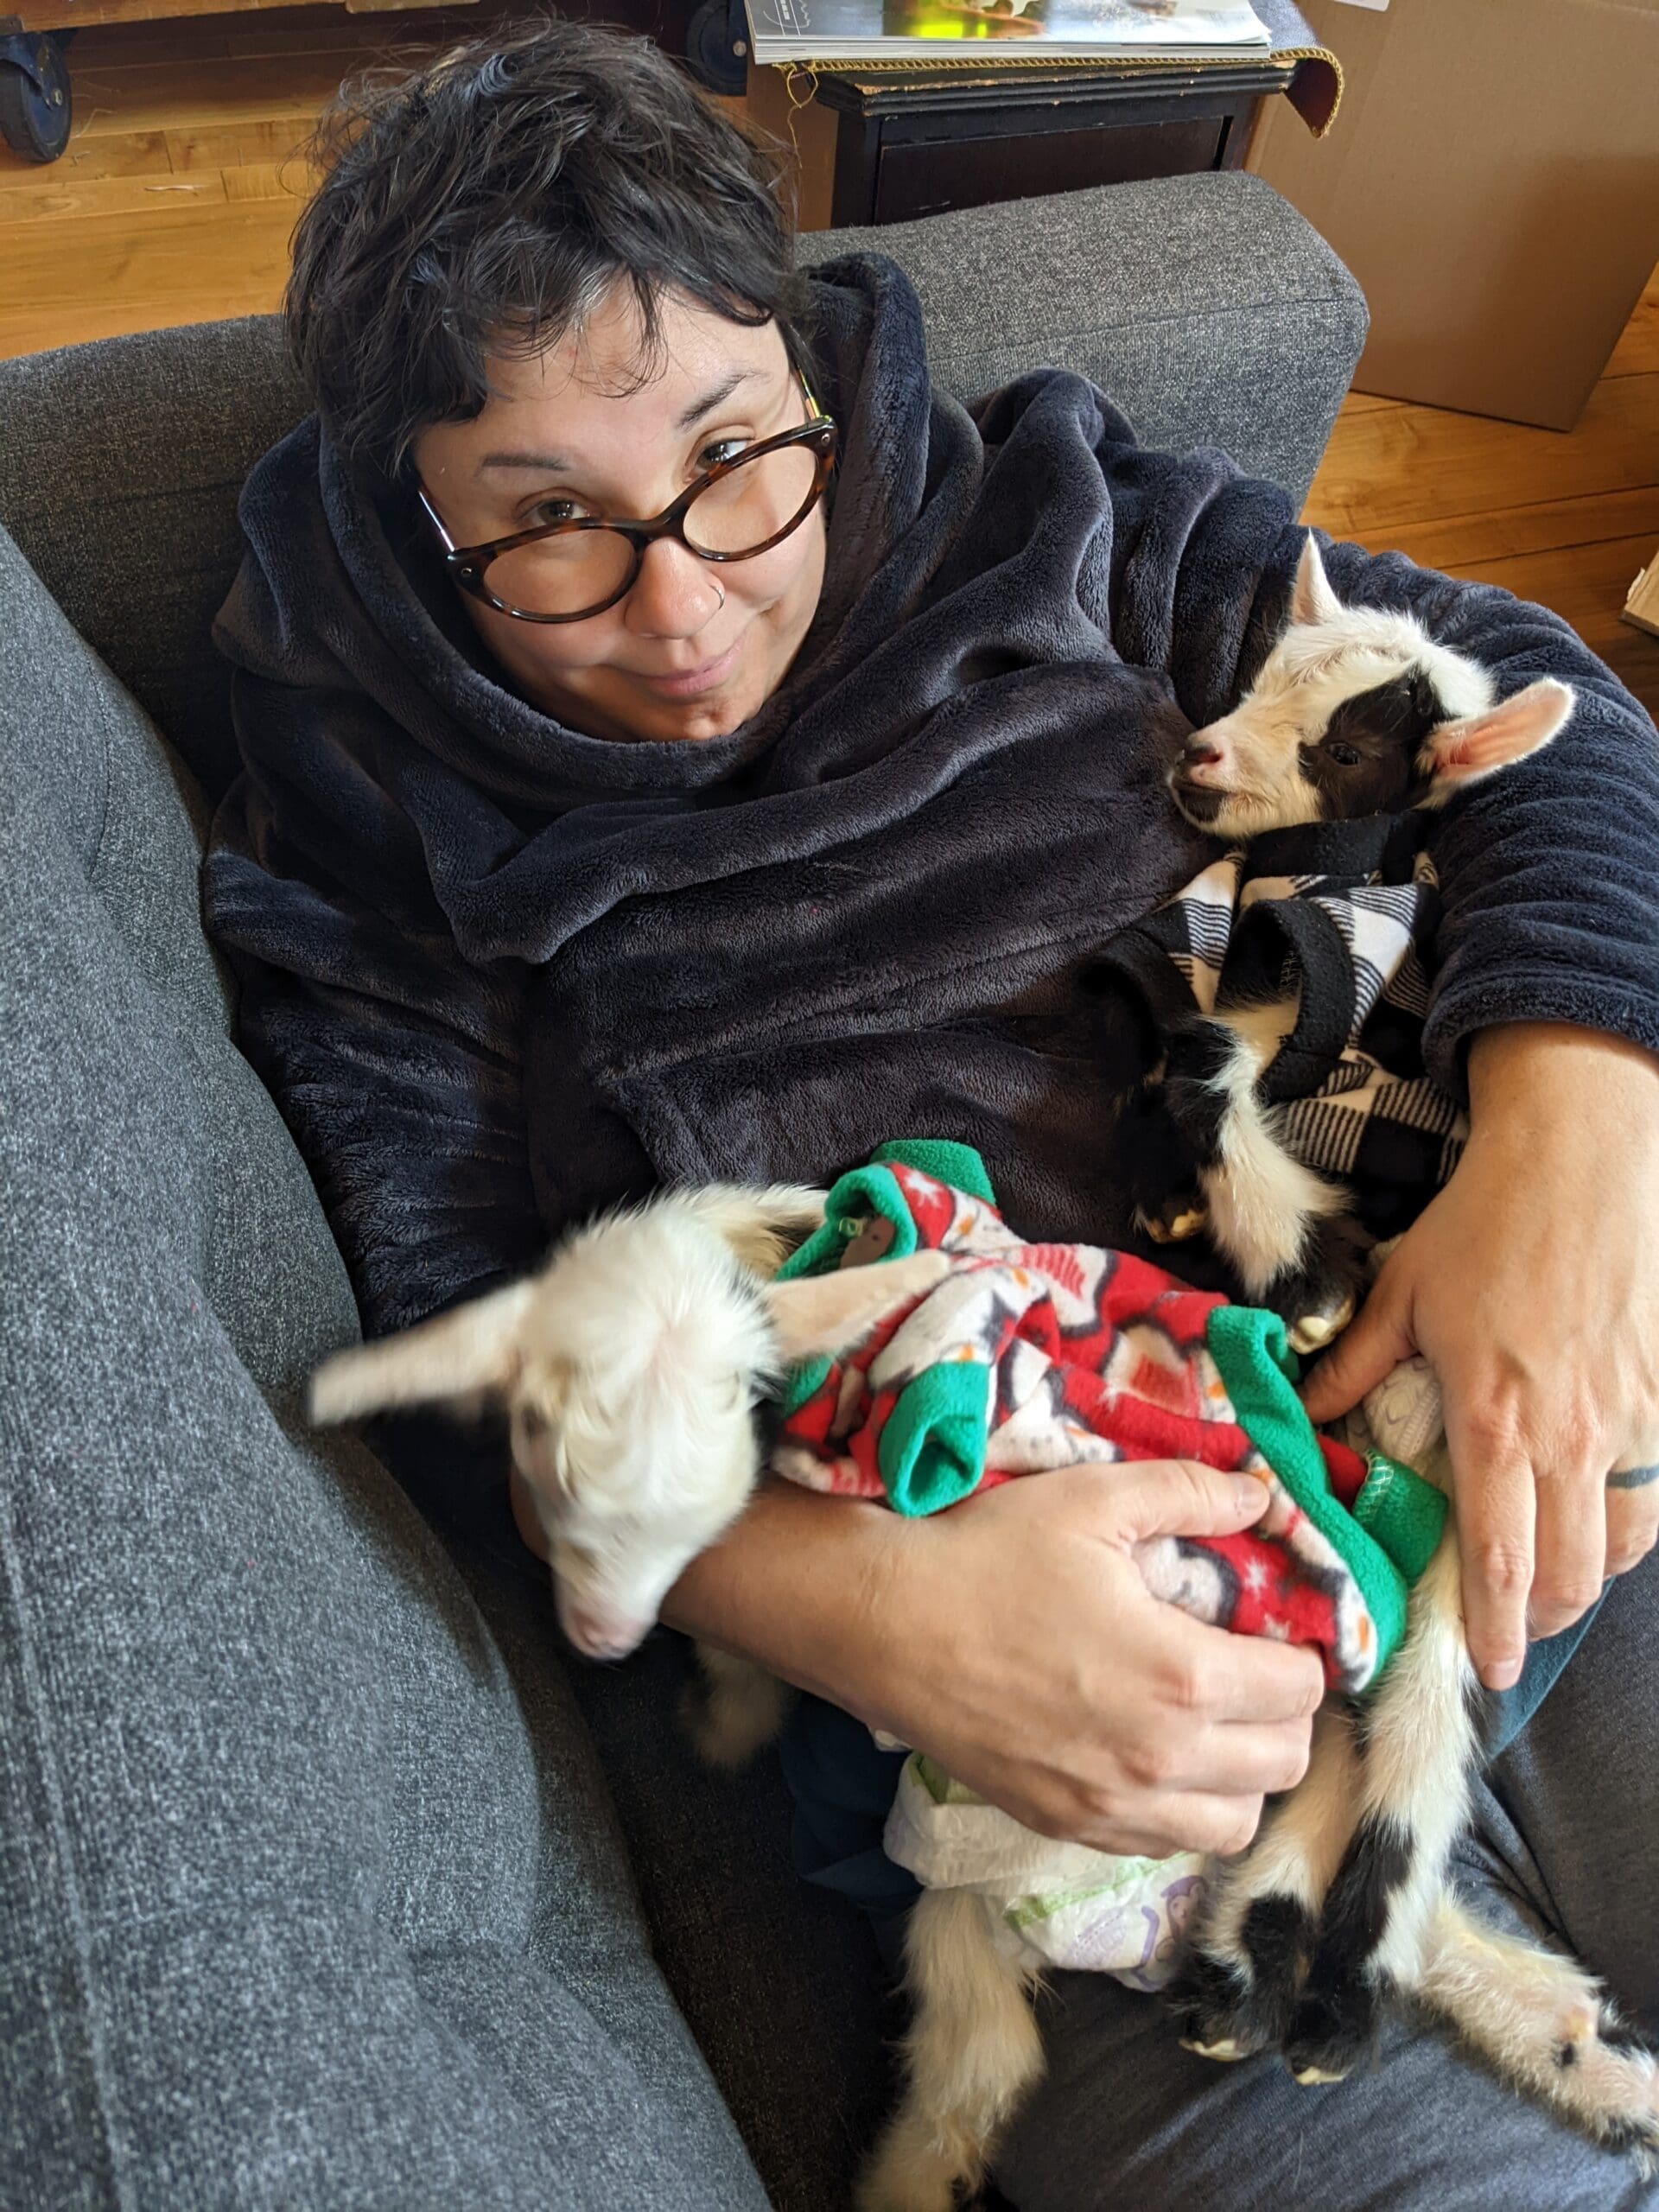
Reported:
(487, 202)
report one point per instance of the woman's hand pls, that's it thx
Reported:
(1013, 1640)
(1531, 1285)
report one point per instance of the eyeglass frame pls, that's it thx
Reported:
(466, 565)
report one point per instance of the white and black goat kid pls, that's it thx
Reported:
(1355, 712)
(1343, 1903)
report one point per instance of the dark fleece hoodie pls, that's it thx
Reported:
(498, 974)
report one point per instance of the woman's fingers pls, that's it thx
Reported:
(1496, 1534)
(1632, 1515)
(1366, 1353)
(1180, 1497)
(1261, 1760)
(1216, 1676)
(1177, 1820)
(1571, 1559)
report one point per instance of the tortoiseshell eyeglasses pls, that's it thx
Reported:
(566, 571)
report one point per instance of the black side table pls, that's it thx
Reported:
(916, 142)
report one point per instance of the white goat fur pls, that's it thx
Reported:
(629, 1369)
(621, 1524)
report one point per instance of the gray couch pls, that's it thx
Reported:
(325, 1880)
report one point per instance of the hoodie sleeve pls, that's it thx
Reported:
(396, 1064)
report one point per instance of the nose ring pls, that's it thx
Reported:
(719, 594)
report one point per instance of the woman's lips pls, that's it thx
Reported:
(695, 680)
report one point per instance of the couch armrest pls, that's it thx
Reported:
(1204, 306)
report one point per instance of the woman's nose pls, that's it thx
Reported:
(674, 595)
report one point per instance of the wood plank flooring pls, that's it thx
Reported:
(176, 197)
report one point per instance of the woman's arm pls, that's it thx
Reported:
(1014, 1639)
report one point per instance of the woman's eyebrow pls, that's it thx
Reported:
(716, 398)
(560, 464)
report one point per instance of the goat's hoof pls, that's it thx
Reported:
(1224, 2014)
(1227, 2049)
(1314, 1330)
(1333, 2031)
(1175, 1226)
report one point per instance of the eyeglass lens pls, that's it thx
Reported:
(581, 569)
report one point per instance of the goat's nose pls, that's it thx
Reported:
(1199, 753)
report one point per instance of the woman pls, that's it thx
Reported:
(569, 859)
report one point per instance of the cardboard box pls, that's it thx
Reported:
(1492, 181)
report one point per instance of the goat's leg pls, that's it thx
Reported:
(1418, 1744)
(1160, 1167)
(1282, 1227)
(1543, 2024)
(973, 2051)
(1319, 1293)
(736, 1709)
(1236, 1991)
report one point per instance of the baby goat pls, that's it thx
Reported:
(1344, 1901)
(630, 1368)
(1355, 712)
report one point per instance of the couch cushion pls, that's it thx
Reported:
(309, 1892)
(1205, 306)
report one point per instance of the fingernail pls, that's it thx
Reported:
(1501, 1674)
(1250, 1491)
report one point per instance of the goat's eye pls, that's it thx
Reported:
(1344, 755)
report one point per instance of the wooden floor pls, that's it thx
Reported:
(174, 202)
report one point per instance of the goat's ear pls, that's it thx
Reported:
(1459, 752)
(764, 1226)
(816, 1314)
(1312, 599)
(473, 1350)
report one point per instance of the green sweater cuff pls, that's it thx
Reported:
(1253, 1354)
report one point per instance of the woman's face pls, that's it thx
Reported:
(669, 660)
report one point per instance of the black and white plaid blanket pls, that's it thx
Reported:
(1341, 916)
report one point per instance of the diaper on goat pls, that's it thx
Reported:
(1029, 1357)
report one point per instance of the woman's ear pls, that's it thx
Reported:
(1459, 752)
(472, 1351)
(819, 1314)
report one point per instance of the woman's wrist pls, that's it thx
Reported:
(1533, 1083)
(806, 1585)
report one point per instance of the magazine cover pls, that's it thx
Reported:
(830, 30)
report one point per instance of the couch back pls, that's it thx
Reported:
(1204, 305)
